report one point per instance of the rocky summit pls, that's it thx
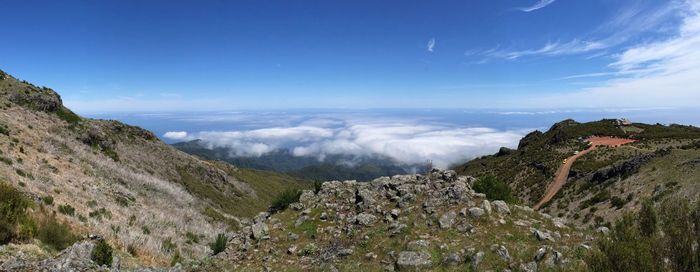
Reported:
(404, 223)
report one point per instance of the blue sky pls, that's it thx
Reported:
(140, 56)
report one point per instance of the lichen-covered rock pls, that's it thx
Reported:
(411, 260)
(501, 207)
(365, 219)
(447, 219)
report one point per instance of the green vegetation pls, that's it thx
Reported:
(48, 200)
(67, 115)
(493, 188)
(66, 209)
(219, 244)
(13, 212)
(652, 241)
(54, 234)
(102, 253)
(4, 130)
(285, 198)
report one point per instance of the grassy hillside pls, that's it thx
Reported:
(121, 182)
(604, 175)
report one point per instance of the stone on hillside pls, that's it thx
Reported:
(259, 231)
(447, 219)
(502, 252)
(292, 250)
(365, 219)
(296, 206)
(323, 216)
(452, 259)
(301, 220)
(411, 260)
(307, 196)
(477, 259)
(603, 230)
(417, 245)
(396, 228)
(542, 236)
(476, 212)
(539, 255)
(529, 267)
(501, 207)
(395, 213)
(345, 252)
(486, 205)
(292, 236)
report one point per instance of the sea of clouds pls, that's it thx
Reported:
(409, 141)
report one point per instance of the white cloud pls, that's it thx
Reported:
(176, 135)
(550, 49)
(431, 45)
(405, 142)
(540, 4)
(660, 73)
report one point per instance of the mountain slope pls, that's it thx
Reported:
(120, 181)
(606, 182)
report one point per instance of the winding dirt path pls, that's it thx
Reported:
(563, 172)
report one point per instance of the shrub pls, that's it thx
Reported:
(285, 198)
(167, 246)
(66, 209)
(647, 219)
(48, 200)
(177, 258)
(493, 188)
(102, 253)
(617, 202)
(219, 245)
(54, 234)
(13, 211)
(317, 186)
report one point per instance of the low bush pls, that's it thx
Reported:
(13, 212)
(219, 245)
(48, 200)
(102, 253)
(54, 234)
(651, 240)
(285, 198)
(66, 209)
(494, 189)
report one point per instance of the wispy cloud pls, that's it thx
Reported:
(550, 49)
(540, 4)
(431, 45)
(657, 73)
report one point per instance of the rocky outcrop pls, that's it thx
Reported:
(406, 223)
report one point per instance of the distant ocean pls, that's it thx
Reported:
(500, 119)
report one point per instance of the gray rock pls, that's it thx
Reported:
(603, 230)
(540, 254)
(486, 205)
(447, 219)
(292, 236)
(476, 212)
(301, 220)
(411, 260)
(292, 250)
(345, 252)
(529, 267)
(502, 252)
(452, 259)
(477, 259)
(395, 213)
(417, 245)
(259, 231)
(501, 207)
(323, 216)
(542, 236)
(365, 219)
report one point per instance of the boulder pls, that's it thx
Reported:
(540, 254)
(447, 219)
(501, 207)
(412, 260)
(365, 219)
(259, 231)
(476, 212)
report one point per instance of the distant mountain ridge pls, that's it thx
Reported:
(332, 167)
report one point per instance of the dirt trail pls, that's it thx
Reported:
(563, 172)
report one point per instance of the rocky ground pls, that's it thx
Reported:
(410, 222)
